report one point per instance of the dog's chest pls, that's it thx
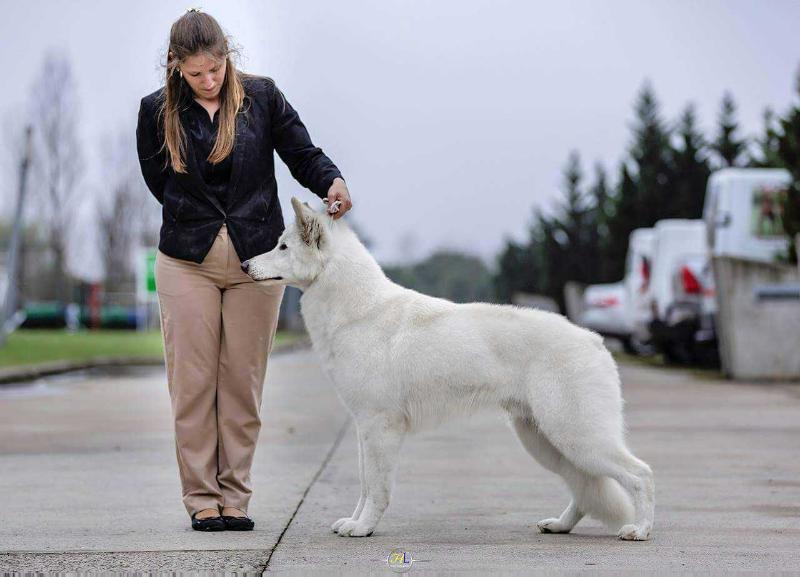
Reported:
(320, 329)
(349, 353)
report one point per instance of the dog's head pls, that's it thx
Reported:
(300, 253)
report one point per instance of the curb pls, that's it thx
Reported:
(20, 374)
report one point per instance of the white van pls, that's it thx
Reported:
(605, 310)
(682, 291)
(638, 272)
(743, 215)
(622, 310)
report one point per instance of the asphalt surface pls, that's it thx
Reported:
(90, 483)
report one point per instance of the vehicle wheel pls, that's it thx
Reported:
(706, 355)
(628, 347)
(675, 354)
(642, 348)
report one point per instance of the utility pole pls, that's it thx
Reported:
(11, 317)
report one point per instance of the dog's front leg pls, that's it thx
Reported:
(381, 439)
(363, 481)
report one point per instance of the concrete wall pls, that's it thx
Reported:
(758, 339)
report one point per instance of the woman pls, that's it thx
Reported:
(205, 142)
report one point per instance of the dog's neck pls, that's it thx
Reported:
(349, 287)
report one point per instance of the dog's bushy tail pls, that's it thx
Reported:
(604, 499)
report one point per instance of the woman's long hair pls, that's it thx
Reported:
(195, 33)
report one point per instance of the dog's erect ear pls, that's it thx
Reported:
(302, 210)
(308, 223)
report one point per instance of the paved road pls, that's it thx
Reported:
(87, 469)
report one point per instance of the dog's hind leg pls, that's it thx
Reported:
(636, 478)
(596, 448)
(363, 481)
(550, 458)
(381, 437)
(595, 495)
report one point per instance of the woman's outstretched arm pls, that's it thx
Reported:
(307, 163)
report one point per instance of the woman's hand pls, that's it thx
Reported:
(338, 191)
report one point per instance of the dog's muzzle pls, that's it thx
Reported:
(246, 268)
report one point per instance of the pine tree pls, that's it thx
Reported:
(600, 200)
(522, 267)
(645, 191)
(651, 154)
(727, 145)
(767, 146)
(575, 210)
(552, 245)
(598, 224)
(691, 168)
(568, 243)
(789, 151)
(518, 271)
(621, 223)
(581, 261)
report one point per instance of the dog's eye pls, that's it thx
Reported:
(282, 247)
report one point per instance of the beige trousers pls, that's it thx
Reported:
(218, 326)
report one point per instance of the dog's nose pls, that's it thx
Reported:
(245, 265)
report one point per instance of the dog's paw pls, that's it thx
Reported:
(634, 533)
(339, 522)
(352, 528)
(552, 526)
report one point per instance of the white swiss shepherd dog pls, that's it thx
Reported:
(402, 361)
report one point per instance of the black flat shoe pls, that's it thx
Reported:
(238, 523)
(208, 524)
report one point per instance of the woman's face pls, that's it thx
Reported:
(204, 74)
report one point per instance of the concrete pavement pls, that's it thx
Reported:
(90, 480)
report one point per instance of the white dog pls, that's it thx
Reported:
(402, 361)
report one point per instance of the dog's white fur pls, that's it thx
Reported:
(402, 361)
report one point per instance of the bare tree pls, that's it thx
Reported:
(58, 161)
(13, 148)
(10, 159)
(32, 278)
(123, 216)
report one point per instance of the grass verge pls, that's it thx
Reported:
(32, 346)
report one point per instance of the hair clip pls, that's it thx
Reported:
(193, 10)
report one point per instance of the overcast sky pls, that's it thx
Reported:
(450, 120)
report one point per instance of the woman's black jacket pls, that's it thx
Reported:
(192, 214)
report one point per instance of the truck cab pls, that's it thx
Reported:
(742, 213)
